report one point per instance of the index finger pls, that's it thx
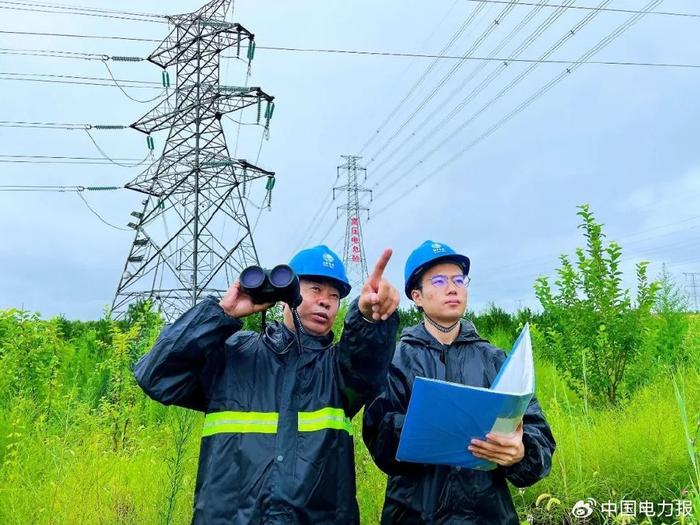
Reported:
(380, 266)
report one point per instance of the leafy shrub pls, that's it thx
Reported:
(594, 331)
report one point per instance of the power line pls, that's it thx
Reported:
(527, 42)
(51, 53)
(513, 83)
(630, 256)
(79, 77)
(121, 88)
(424, 75)
(445, 78)
(57, 189)
(455, 36)
(278, 48)
(46, 53)
(624, 241)
(41, 125)
(328, 231)
(478, 41)
(490, 59)
(45, 11)
(96, 214)
(587, 8)
(78, 80)
(59, 125)
(73, 82)
(75, 35)
(65, 10)
(544, 89)
(59, 159)
(148, 156)
(326, 202)
(78, 190)
(57, 53)
(88, 9)
(322, 210)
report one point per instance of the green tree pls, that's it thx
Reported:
(593, 329)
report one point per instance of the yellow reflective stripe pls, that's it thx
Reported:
(266, 422)
(240, 422)
(325, 418)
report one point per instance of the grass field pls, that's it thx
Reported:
(80, 443)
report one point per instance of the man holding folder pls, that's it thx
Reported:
(446, 347)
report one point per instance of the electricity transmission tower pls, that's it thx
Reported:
(192, 235)
(354, 250)
(693, 283)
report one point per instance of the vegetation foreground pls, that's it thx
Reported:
(618, 380)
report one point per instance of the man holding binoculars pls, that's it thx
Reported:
(276, 444)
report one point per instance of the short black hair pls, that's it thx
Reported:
(416, 281)
(416, 284)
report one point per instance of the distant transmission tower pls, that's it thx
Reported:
(354, 250)
(692, 285)
(192, 236)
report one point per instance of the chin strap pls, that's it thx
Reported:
(298, 328)
(443, 329)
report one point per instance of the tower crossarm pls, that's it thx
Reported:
(226, 99)
(194, 30)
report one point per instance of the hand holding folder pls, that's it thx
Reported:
(444, 417)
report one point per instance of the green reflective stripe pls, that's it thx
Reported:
(240, 422)
(326, 418)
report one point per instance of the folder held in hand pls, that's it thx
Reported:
(443, 417)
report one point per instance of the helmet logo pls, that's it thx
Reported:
(437, 248)
(328, 260)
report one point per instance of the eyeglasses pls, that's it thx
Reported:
(460, 281)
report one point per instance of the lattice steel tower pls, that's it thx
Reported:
(354, 250)
(192, 235)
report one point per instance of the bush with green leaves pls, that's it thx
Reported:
(594, 330)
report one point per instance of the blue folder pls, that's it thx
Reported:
(443, 417)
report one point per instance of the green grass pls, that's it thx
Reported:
(59, 463)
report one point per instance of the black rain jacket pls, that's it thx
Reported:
(437, 494)
(276, 444)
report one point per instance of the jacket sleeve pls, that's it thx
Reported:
(383, 420)
(539, 447)
(363, 356)
(175, 370)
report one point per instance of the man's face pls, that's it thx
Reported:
(319, 306)
(445, 303)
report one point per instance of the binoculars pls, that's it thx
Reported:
(271, 286)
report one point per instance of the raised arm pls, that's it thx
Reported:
(187, 352)
(369, 336)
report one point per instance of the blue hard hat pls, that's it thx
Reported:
(321, 261)
(429, 254)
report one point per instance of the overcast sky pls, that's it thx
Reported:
(621, 138)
